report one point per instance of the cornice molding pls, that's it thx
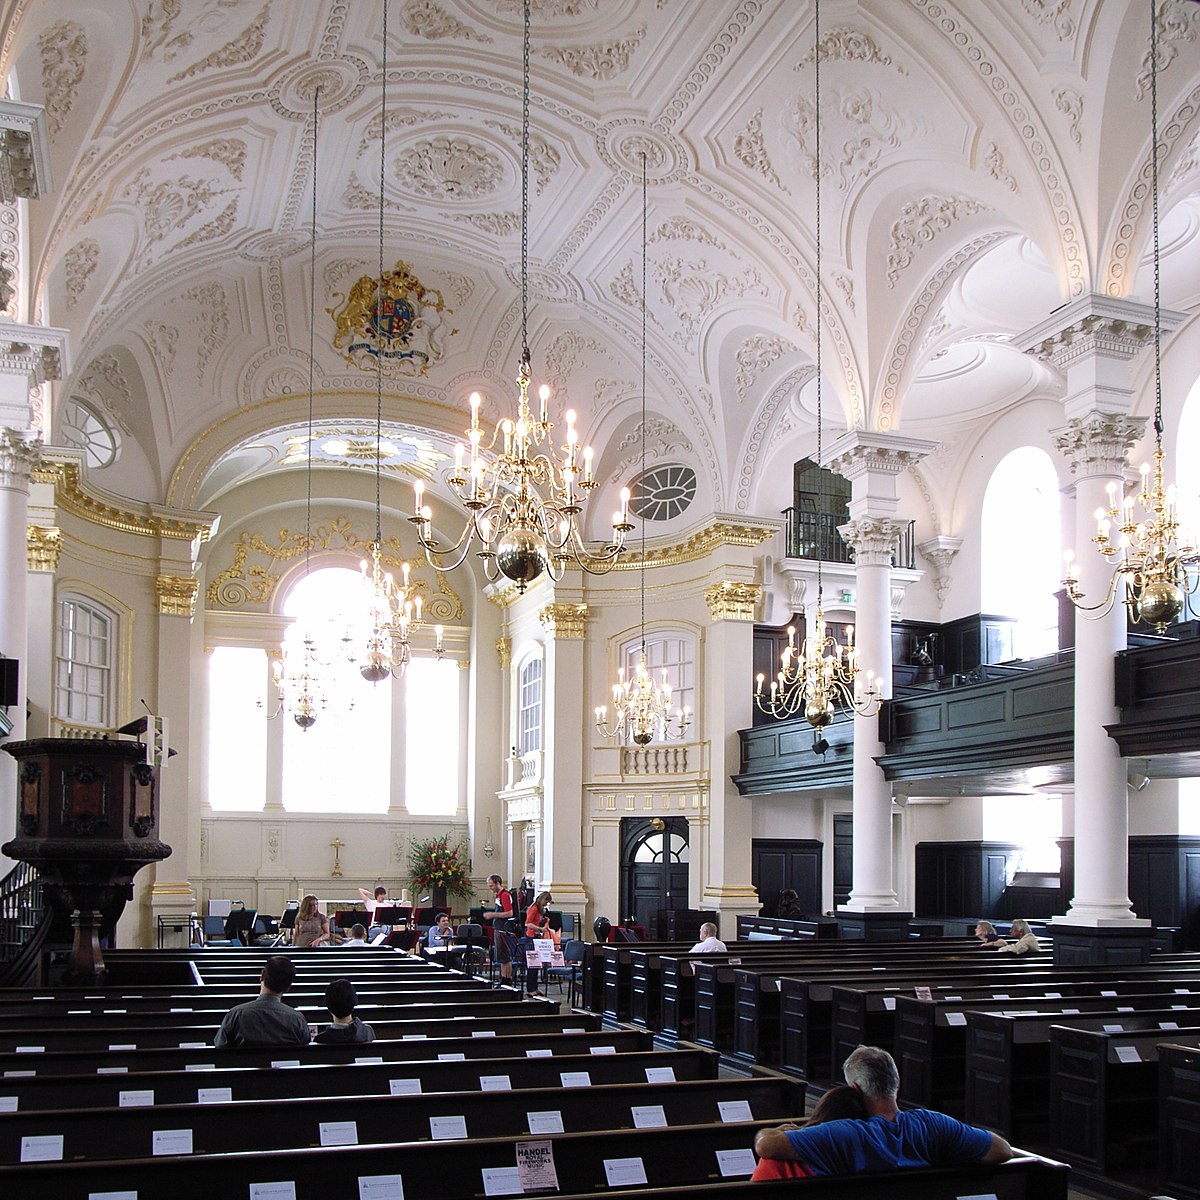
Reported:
(24, 152)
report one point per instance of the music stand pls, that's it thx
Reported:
(286, 923)
(240, 925)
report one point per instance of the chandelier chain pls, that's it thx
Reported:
(817, 287)
(312, 327)
(525, 356)
(1158, 419)
(382, 285)
(642, 481)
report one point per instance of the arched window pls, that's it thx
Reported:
(670, 649)
(431, 737)
(84, 654)
(529, 706)
(1021, 549)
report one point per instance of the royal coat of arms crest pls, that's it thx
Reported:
(396, 317)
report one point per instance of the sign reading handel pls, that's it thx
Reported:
(535, 1164)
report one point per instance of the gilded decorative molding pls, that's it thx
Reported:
(565, 620)
(504, 652)
(248, 582)
(176, 595)
(71, 496)
(728, 601)
(43, 547)
(701, 544)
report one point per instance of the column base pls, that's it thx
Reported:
(890, 926)
(1092, 946)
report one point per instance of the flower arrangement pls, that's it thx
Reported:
(437, 864)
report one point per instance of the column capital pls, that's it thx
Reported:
(43, 547)
(566, 621)
(940, 552)
(731, 601)
(1095, 326)
(860, 452)
(873, 539)
(1097, 444)
(504, 652)
(20, 453)
(24, 152)
(37, 352)
(176, 595)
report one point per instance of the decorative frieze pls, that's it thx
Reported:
(43, 548)
(732, 601)
(176, 595)
(873, 539)
(1098, 443)
(565, 620)
(24, 152)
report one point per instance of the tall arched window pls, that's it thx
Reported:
(529, 706)
(83, 663)
(431, 737)
(1021, 551)
(670, 649)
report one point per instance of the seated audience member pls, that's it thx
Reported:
(440, 935)
(840, 1103)
(358, 936)
(372, 902)
(789, 905)
(709, 943)
(985, 931)
(1025, 941)
(887, 1138)
(312, 926)
(266, 1021)
(340, 999)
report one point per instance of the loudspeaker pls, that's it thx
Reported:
(8, 681)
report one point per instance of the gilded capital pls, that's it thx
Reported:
(729, 601)
(43, 546)
(20, 453)
(504, 652)
(1098, 444)
(565, 620)
(873, 539)
(176, 595)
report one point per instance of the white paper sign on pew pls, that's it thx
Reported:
(535, 1167)
(339, 1133)
(501, 1181)
(495, 1083)
(283, 1189)
(734, 1110)
(138, 1099)
(648, 1116)
(1128, 1054)
(112, 1196)
(446, 1129)
(660, 1074)
(46, 1147)
(380, 1187)
(219, 1095)
(736, 1162)
(624, 1172)
(8, 1103)
(545, 1122)
(171, 1141)
(404, 1087)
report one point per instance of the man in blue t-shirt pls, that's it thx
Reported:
(888, 1138)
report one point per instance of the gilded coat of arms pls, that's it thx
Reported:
(398, 318)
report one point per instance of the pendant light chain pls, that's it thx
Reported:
(525, 355)
(642, 482)
(817, 289)
(382, 285)
(1158, 419)
(312, 328)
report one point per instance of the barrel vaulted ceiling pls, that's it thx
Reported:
(983, 161)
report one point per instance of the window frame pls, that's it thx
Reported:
(64, 713)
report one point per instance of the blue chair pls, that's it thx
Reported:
(571, 970)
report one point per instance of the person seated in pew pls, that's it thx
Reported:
(1026, 942)
(709, 943)
(266, 1021)
(989, 939)
(340, 999)
(839, 1103)
(789, 906)
(887, 1138)
(312, 926)
(358, 936)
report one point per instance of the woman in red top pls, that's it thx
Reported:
(537, 926)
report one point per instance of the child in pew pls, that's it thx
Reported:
(340, 999)
(358, 936)
(886, 1138)
(840, 1103)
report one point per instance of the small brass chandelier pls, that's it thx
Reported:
(382, 648)
(295, 672)
(822, 675)
(523, 504)
(1155, 565)
(641, 707)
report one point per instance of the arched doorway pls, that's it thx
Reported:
(654, 866)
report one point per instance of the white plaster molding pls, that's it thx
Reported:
(859, 451)
(940, 551)
(1097, 444)
(24, 152)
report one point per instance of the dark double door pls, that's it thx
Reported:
(654, 867)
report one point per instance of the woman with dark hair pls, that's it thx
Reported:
(537, 926)
(312, 926)
(789, 905)
(840, 1103)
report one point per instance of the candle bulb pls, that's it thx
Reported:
(476, 400)
(437, 637)
(587, 464)
(458, 458)
(418, 492)
(543, 396)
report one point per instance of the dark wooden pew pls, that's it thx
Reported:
(549, 1034)
(786, 929)
(1008, 1063)
(1178, 1119)
(358, 1076)
(1104, 1097)
(303, 1121)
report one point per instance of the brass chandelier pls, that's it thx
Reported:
(1154, 563)
(393, 611)
(822, 674)
(641, 707)
(523, 502)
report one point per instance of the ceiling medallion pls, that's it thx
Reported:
(393, 317)
(622, 144)
(339, 80)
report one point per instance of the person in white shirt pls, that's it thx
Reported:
(371, 902)
(358, 936)
(709, 943)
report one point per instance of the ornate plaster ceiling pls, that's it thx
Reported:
(982, 162)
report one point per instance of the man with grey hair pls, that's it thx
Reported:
(709, 943)
(888, 1137)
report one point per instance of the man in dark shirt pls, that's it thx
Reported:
(266, 1021)
(340, 999)
(916, 1137)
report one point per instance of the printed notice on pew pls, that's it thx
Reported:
(535, 1166)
